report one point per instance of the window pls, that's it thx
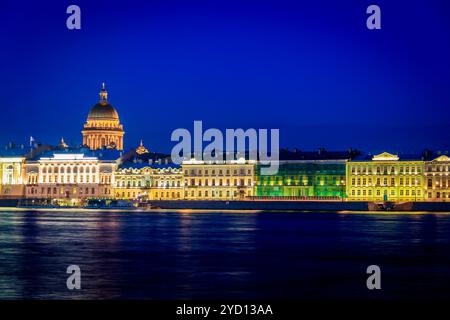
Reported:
(9, 174)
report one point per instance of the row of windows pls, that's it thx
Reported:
(220, 172)
(439, 195)
(438, 168)
(438, 183)
(218, 182)
(212, 193)
(61, 169)
(158, 195)
(392, 192)
(168, 195)
(132, 184)
(306, 180)
(386, 182)
(55, 191)
(69, 179)
(140, 184)
(385, 170)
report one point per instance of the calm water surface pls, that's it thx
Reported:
(234, 255)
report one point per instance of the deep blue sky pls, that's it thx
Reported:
(309, 68)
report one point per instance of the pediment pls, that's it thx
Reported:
(385, 156)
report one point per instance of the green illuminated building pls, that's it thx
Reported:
(315, 175)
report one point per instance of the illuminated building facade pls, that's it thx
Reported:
(316, 175)
(148, 182)
(437, 178)
(315, 179)
(11, 176)
(102, 128)
(168, 183)
(69, 176)
(145, 175)
(132, 183)
(231, 180)
(386, 177)
(100, 171)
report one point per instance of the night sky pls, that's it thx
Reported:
(310, 68)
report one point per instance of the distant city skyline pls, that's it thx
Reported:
(312, 70)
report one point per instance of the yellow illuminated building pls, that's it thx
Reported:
(150, 181)
(132, 183)
(167, 183)
(385, 177)
(437, 179)
(231, 180)
(142, 177)
(11, 177)
(103, 128)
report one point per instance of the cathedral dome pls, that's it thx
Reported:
(103, 111)
(102, 128)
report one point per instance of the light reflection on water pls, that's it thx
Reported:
(185, 255)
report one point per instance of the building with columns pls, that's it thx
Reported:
(102, 128)
(71, 176)
(209, 180)
(149, 181)
(12, 166)
(437, 178)
(145, 175)
(386, 177)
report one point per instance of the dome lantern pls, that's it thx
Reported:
(103, 94)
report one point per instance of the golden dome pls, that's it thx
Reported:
(103, 111)
(102, 128)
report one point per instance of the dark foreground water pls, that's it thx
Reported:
(170, 255)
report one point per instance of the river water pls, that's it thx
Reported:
(223, 255)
